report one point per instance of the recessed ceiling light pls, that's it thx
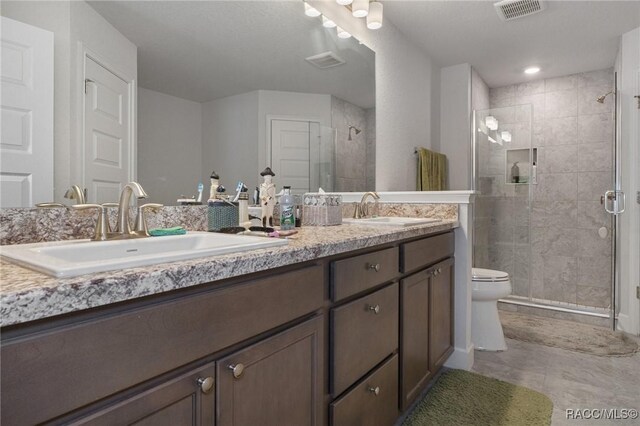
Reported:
(532, 70)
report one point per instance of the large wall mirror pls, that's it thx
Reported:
(167, 92)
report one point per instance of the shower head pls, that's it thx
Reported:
(603, 97)
(353, 128)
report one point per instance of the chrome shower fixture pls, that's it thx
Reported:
(603, 97)
(353, 128)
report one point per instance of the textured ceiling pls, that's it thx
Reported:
(204, 50)
(567, 37)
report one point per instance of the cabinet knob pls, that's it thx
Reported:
(374, 266)
(374, 308)
(374, 390)
(206, 384)
(237, 370)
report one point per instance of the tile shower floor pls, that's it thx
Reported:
(572, 380)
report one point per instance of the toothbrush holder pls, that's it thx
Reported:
(222, 214)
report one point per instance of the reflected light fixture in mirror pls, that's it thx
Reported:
(344, 2)
(491, 122)
(506, 136)
(360, 8)
(342, 33)
(532, 70)
(328, 23)
(311, 11)
(374, 18)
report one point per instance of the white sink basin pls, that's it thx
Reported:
(391, 221)
(72, 258)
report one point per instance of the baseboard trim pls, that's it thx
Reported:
(461, 359)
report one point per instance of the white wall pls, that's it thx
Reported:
(455, 113)
(53, 16)
(628, 68)
(406, 97)
(230, 140)
(169, 146)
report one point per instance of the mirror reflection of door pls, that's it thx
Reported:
(26, 144)
(107, 134)
(291, 153)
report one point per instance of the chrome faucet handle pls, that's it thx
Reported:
(102, 231)
(140, 226)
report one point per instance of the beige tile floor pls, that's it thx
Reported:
(572, 380)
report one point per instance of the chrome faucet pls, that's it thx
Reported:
(362, 209)
(75, 193)
(123, 226)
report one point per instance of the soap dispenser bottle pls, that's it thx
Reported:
(515, 173)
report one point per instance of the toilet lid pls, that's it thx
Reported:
(489, 275)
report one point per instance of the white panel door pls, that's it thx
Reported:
(26, 143)
(107, 136)
(290, 154)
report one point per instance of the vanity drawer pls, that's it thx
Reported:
(365, 332)
(426, 252)
(373, 402)
(78, 364)
(356, 274)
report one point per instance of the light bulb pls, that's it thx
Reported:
(532, 70)
(344, 2)
(491, 122)
(327, 23)
(311, 11)
(374, 18)
(342, 33)
(506, 136)
(360, 8)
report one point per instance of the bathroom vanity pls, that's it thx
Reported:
(344, 326)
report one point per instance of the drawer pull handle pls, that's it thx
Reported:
(206, 384)
(375, 391)
(374, 266)
(374, 308)
(237, 370)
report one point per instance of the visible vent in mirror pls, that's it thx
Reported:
(325, 60)
(514, 9)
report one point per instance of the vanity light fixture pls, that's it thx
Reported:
(374, 18)
(360, 8)
(491, 122)
(342, 33)
(506, 136)
(344, 2)
(311, 11)
(328, 23)
(532, 70)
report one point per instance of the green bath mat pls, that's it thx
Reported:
(463, 398)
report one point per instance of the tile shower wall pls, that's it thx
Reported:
(574, 135)
(355, 159)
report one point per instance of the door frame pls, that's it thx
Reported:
(78, 148)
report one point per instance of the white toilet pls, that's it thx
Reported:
(487, 287)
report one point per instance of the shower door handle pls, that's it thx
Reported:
(614, 202)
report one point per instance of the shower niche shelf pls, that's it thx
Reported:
(521, 166)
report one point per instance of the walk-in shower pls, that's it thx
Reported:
(543, 163)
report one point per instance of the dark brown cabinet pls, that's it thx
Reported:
(426, 313)
(185, 400)
(414, 337)
(441, 314)
(277, 381)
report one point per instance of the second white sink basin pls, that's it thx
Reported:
(391, 221)
(72, 258)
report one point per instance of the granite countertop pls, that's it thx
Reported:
(26, 295)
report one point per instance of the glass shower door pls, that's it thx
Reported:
(505, 170)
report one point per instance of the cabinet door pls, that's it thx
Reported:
(278, 381)
(185, 400)
(414, 336)
(441, 314)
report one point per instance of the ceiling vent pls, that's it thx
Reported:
(325, 60)
(514, 9)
